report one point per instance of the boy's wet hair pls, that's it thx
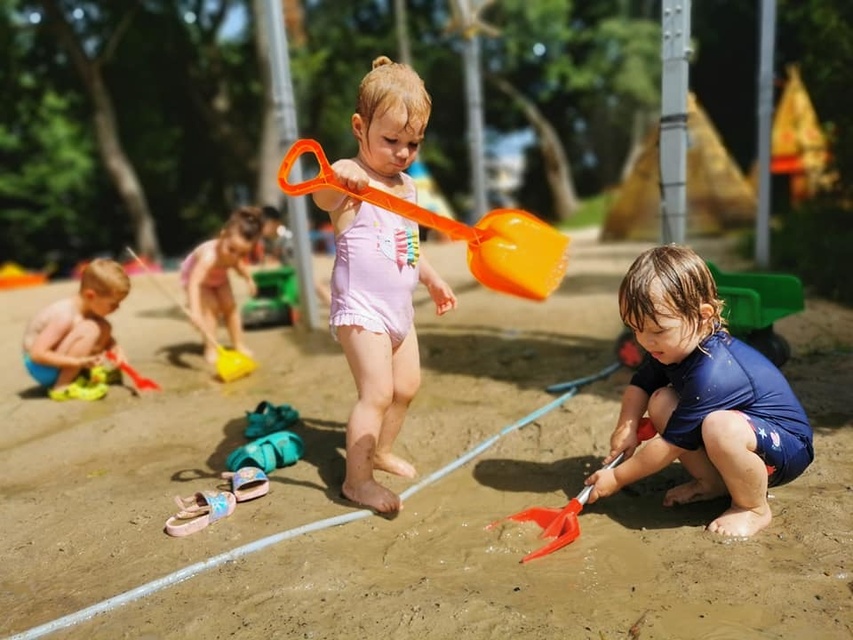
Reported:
(390, 84)
(247, 222)
(673, 277)
(105, 278)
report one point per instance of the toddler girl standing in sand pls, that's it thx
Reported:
(378, 265)
(204, 275)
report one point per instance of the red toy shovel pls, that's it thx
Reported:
(139, 381)
(562, 524)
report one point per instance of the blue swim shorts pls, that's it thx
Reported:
(46, 376)
(785, 454)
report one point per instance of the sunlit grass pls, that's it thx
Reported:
(591, 212)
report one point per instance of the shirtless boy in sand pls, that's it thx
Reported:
(72, 334)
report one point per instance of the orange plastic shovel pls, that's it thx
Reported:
(509, 250)
(139, 381)
(562, 524)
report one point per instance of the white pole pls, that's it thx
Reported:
(286, 112)
(675, 53)
(765, 123)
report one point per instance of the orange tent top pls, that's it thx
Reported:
(798, 143)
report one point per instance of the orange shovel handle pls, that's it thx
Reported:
(325, 179)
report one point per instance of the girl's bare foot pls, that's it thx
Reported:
(210, 355)
(373, 495)
(693, 491)
(244, 350)
(394, 464)
(741, 523)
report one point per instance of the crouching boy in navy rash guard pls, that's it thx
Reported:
(720, 407)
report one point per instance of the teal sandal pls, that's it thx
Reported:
(268, 418)
(269, 453)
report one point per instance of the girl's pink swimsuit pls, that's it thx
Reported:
(216, 277)
(375, 273)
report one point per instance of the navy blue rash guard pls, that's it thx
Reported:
(723, 373)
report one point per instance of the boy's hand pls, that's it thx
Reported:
(87, 362)
(116, 355)
(604, 484)
(253, 287)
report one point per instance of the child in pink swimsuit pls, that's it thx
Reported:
(378, 264)
(204, 275)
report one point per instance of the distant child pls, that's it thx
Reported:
(378, 265)
(275, 250)
(204, 275)
(721, 408)
(72, 334)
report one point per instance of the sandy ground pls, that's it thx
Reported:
(87, 487)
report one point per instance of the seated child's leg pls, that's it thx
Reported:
(81, 341)
(705, 484)
(731, 445)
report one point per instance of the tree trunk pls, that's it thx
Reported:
(270, 152)
(640, 127)
(557, 169)
(119, 167)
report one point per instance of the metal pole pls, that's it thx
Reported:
(286, 112)
(473, 84)
(474, 95)
(675, 52)
(765, 123)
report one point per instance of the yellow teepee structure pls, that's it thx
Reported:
(719, 197)
(798, 146)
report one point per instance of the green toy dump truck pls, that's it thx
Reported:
(277, 300)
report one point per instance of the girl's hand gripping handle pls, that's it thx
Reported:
(325, 179)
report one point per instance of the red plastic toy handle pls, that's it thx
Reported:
(325, 179)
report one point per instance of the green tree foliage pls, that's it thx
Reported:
(46, 157)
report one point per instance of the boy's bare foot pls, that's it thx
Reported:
(741, 523)
(693, 491)
(373, 495)
(210, 355)
(394, 464)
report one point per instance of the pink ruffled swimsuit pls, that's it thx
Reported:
(375, 273)
(216, 277)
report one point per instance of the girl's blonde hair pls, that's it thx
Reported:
(672, 277)
(105, 278)
(390, 84)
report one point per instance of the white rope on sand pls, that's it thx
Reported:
(192, 570)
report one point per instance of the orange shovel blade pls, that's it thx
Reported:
(520, 255)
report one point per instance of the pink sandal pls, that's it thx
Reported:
(200, 510)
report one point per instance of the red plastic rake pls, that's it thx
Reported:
(562, 524)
